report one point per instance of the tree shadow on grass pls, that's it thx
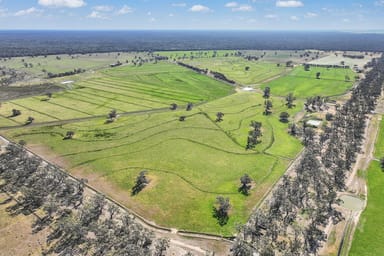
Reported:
(244, 189)
(137, 188)
(222, 217)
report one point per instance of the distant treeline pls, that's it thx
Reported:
(326, 65)
(33, 43)
(222, 77)
(353, 56)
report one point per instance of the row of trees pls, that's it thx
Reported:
(254, 134)
(292, 221)
(80, 225)
(67, 73)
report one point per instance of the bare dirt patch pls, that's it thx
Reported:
(48, 154)
(16, 233)
(15, 92)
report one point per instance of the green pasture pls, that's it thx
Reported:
(235, 68)
(190, 163)
(367, 240)
(304, 83)
(126, 88)
(240, 109)
(282, 56)
(379, 145)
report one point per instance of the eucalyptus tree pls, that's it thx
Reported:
(141, 182)
(221, 210)
(245, 186)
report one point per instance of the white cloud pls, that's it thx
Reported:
(243, 8)
(152, 19)
(125, 9)
(379, 3)
(179, 4)
(289, 3)
(29, 11)
(96, 15)
(62, 3)
(199, 8)
(294, 18)
(311, 15)
(346, 20)
(231, 4)
(271, 16)
(103, 8)
(171, 15)
(149, 13)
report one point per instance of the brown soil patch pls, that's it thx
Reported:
(46, 153)
(15, 92)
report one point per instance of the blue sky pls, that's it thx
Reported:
(197, 14)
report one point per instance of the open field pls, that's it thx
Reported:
(282, 56)
(273, 56)
(379, 145)
(125, 89)
(115, 153)
(336, 58)
(234, 68)
(368, 235)
(304, 83)
(65, 62)
(16, 232)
